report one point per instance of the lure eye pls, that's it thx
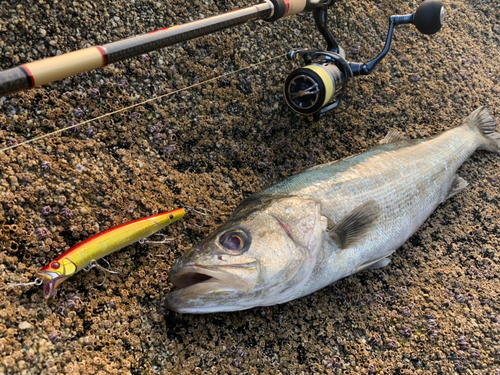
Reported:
(235, 241)
(55, 265)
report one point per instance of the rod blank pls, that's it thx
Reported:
(59, 67)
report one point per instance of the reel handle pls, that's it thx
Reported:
(429, 17)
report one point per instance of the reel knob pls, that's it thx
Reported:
(312, 87)
(429, 17)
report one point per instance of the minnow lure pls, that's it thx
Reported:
(102, 244)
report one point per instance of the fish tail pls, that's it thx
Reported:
(481, 120)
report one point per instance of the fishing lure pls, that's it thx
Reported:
(86, 253)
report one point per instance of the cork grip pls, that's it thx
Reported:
(67, 65)
(295, 7)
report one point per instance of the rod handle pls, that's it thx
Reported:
(14, 79)
(284, 8)
(40, 72)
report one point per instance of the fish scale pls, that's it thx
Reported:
(326, 223)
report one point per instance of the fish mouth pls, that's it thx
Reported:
(200, 287)
(196, 278)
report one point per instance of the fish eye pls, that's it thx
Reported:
(55, 265)
(235, 241)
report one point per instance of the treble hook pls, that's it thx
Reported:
(93, 264)
(202, 214)
(36, 282)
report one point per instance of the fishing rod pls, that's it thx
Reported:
(314, 89)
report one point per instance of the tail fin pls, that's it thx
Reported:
(481, 120)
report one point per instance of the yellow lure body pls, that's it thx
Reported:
(101, 245)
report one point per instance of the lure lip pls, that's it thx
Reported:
(51, 281)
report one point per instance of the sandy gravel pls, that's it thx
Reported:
(434, 309)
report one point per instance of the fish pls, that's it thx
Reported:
(326, 223)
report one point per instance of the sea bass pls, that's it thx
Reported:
(326, 223)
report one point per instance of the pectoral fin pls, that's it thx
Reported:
(374, 264)
(354, 227)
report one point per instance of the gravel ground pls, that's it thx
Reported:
(434, 309)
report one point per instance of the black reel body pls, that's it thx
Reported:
(318, 87)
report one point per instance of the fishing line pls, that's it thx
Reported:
(141, 103)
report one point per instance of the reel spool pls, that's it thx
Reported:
(312, 87)
(318, 87)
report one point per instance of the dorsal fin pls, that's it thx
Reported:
(393, 136)
(354, 226)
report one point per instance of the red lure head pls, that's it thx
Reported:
(54, 274)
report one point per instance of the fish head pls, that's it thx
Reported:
(261, 256)
(54, 274)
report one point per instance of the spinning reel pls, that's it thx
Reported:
(315, 89)
(318, 87)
